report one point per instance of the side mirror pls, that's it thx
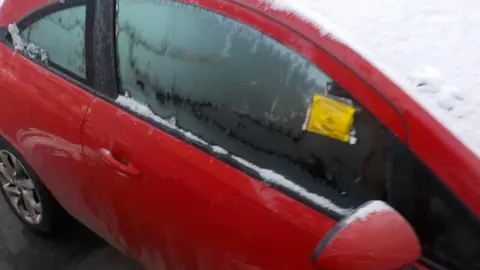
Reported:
(375, 236)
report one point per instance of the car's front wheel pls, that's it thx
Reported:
(26, 195)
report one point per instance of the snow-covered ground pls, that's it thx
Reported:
(431, 43)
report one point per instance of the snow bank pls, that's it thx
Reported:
(429, 48)
(268, 176)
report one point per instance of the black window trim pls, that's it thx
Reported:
(48, 9)
(455, 203)
(447, 195)
(104, 50)
(431, 264)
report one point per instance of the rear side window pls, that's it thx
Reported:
(62, 35)
(237, 88)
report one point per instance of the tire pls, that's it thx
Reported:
(52, 218)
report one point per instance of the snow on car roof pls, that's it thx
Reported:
(430, 48)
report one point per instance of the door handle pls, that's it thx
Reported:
(128, 170)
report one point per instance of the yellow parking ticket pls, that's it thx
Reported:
(331, 118)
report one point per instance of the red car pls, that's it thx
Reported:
(225, 134)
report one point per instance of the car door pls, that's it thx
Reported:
(47, 97)
(205, 154)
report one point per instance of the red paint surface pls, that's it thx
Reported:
(186, 207)
(42, 115)
(13, 10)
(381, 240)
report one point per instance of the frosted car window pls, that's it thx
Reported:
(145, 55)
(62, 35)
(235, 87)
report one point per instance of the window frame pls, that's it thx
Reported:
(52, 8)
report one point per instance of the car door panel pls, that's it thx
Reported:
(48, 130)
(13, 112)
(189, 207)
(188, 210)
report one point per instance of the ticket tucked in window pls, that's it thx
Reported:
(331, 118)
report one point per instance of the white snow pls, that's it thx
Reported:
(353, 137)
(364, 212)
(307, 118)
(274, 178)
(192, 137)
(31, 50)
(34, 51)
(430, 43)
(219, 150)
(143, 109)
(15, 34)
(267, 175)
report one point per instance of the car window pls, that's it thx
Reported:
(449, 232)
(235, 87)
(62, 35)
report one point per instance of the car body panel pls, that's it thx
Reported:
(42, 115)
(191, 209)
(12, 11)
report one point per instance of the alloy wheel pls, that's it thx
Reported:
(19, 188)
